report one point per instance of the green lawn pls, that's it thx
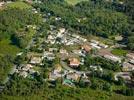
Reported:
(119, 52)
(7, 49)
(18, 4)
(73, 2)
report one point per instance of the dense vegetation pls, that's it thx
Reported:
(14, 31)
(88, 17)
(36, 89)
(130, 13)
(13, 22)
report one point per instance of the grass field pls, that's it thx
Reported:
(18, 4)
(7, 49)
(73, 2)
(119, 52)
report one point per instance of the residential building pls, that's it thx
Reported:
(35, 60)
(63, 51)
(86, 47)
(130, 55)
(127, 66)
(73, 76)
(103, 45)
(74, 62)
(113, 58)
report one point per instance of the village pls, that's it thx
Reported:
(65, 52)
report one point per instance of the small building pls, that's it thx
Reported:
(49, 55)
(103, 45)
(86, 47)
(26, 67)
(131, 61)
(130, 55)
(23, 74)
(74, 62)
(94, 45)
(113, 58)
(63, 51)
(35, 60)
(2, 3)
(73, 76)
(53, 49)
(127, 66)
(95, 42)
(62, 30)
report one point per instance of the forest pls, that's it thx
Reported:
(14, 34)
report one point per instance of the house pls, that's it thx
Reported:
(94, 41)
(62, 30)
(96, 68)
(73, 76)
(86, 47)
(2, 3)
(23, 74)
(127, 66)
(53, 49)
(49, 55)
(74, 62)
(76, 36)
(77, 52)
(82, 39)
(57, 18)
(63, 51)
(36, 60)
(113, 58)
(125, 75)
(26, 67)
(19, 54)
(103, 45)
(131, 61)
(130, 55)
(58, 68)
(29, 1)
(108, 55)
(94, 45)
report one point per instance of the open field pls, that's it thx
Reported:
(73, 2)
(7, 49)
(119, 52)
(20, 5)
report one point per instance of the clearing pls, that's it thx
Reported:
(74, 2)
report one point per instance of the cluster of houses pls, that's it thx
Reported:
(72, 58)
(62, 36)
(97, 44)
(25, 70)
(108, 55)
(69, 78)
(128, 65)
